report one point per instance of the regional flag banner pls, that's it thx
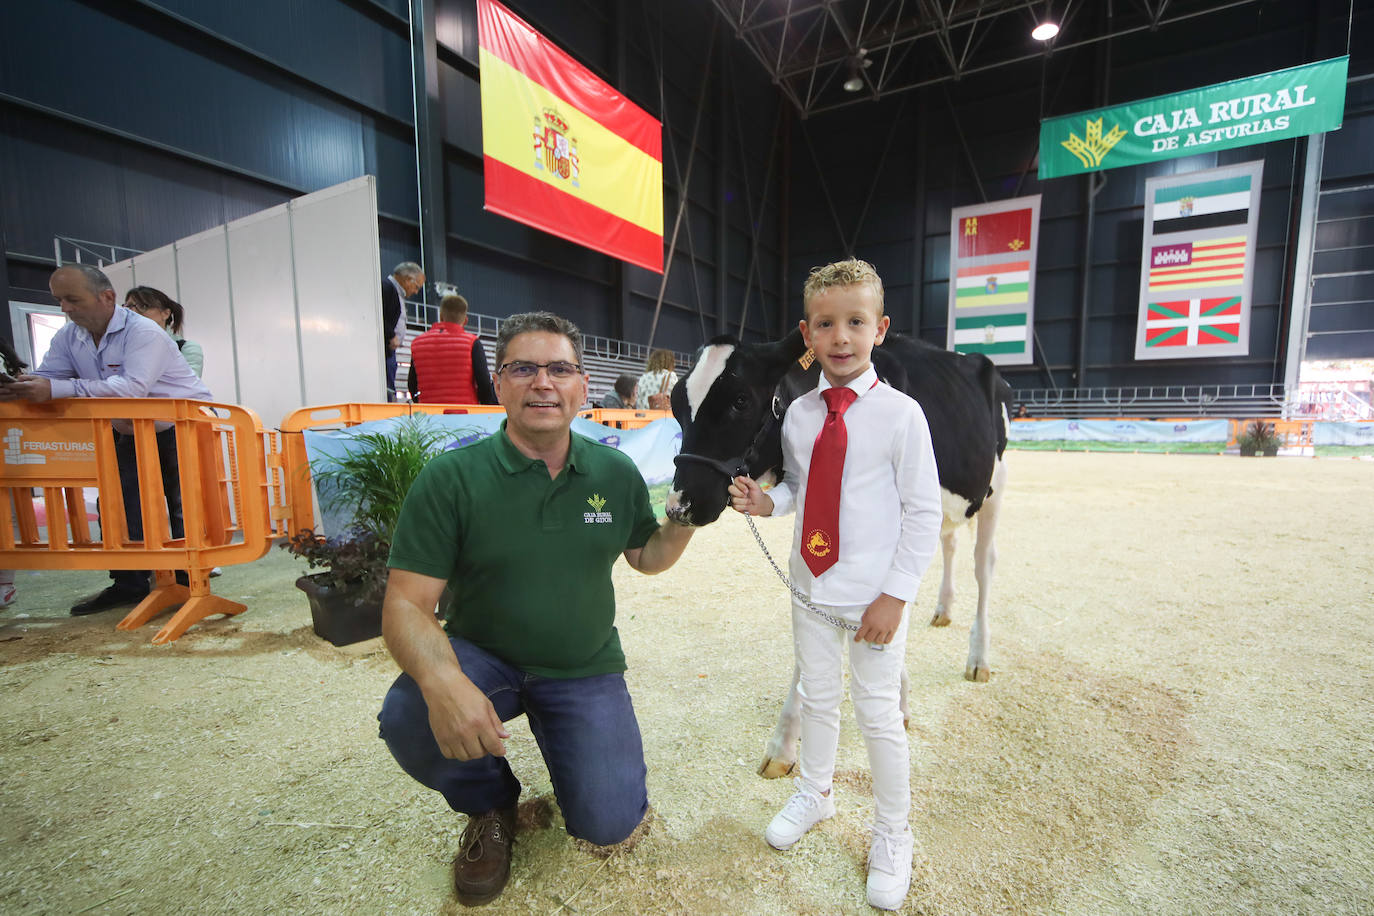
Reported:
(992, 279)
(563, 151)
(1197, 263)
(1295, 102)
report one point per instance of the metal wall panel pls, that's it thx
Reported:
(340, 46)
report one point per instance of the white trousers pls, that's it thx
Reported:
(874, 686)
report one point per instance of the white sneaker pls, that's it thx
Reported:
(889, 869)
(803, 811)
(7, 594)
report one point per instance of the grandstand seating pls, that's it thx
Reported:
(603, 357)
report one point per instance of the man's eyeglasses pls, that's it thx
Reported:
(558, 369)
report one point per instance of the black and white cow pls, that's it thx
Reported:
(730, 408)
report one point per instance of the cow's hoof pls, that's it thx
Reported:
(941, 618)
(775, 768)
(977, 673)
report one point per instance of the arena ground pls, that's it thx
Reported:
(1178, 722)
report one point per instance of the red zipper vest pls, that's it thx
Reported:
(443, 358)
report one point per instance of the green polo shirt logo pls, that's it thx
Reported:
(596, 516)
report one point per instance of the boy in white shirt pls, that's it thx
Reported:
(863, 539)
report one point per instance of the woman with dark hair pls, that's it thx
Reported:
(162, 309)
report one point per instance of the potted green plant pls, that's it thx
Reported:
(371, 479)
(1259, 438)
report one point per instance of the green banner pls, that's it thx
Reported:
(1275, 106)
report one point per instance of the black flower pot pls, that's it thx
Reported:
(337, 614)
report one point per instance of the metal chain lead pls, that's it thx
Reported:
(828, 618)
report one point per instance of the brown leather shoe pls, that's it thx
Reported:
(482, 866)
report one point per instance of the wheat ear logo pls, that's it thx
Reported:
(596, 502)
(1093, 150)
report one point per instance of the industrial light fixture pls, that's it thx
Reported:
(857, 63)
(1045, 31)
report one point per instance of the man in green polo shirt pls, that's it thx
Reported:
(525, 527)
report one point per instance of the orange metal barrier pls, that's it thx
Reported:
(227, 484)
(299, 509)
(623, 418)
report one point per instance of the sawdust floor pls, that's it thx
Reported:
(1178, 721)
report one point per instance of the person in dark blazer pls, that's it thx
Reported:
(406, 279)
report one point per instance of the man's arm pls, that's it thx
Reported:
(462, 718)
(662, 549)
(481, 375)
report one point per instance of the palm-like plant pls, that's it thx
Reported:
(371, 479)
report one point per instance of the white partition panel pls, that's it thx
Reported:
(121, 278)
(286, 303)
(203, 277)
(339, 303)
(262, 277)
(158, 269)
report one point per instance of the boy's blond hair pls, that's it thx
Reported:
(842, 273)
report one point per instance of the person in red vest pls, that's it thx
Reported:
(447, 363)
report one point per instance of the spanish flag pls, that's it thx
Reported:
(563, 151)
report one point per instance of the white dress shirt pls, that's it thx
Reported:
(890, 511)
(135, 358)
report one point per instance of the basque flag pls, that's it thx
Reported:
(563, 151)
(1193, 322)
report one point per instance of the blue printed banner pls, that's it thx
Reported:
(651, 447)
(1120, 431)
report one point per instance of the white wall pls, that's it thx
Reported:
(286, 303)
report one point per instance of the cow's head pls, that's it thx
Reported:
(730, 408)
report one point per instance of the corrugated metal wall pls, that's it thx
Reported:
(148, 122)
(136, 123)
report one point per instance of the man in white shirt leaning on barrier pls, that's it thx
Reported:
(106, 351)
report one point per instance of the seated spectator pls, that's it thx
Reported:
(657, 382)
(447, 363)
(163, 310)
(622, 396)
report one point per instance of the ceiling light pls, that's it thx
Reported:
(1045, 31)
(857, 64)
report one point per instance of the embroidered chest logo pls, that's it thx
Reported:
(596, 516)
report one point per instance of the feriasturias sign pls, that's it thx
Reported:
(1275, 106)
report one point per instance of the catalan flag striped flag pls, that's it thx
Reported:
(1193, 322)
(563, 151)
(1199, 264)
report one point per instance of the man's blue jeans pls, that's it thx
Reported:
(585, 727)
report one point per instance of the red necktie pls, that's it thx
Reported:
(820, 546)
